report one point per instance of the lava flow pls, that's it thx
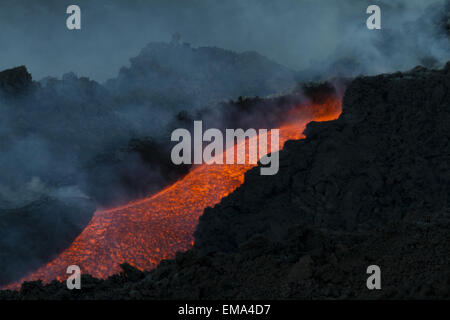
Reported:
(144, 232)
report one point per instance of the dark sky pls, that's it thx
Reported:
(292, 32)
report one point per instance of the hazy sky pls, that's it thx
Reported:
(292, 32)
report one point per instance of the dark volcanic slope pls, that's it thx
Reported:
(369, 188)
(385, 160)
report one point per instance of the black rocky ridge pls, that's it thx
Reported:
(369, 188)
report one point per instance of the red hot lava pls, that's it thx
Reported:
(144, 232)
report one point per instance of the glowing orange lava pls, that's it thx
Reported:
(144, 232)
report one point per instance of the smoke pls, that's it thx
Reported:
(299, 34)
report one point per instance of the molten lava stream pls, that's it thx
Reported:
(144, 232)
